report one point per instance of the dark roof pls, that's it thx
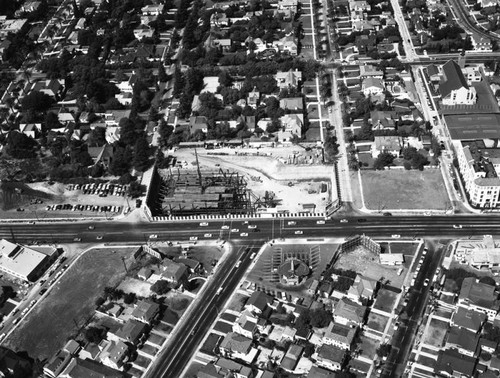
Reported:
(331, 353)
(453, 78)
(432, 70)
(259, 300)
(293, 267)
(477, 293)
(78, 368)
(452, 361)
(463, 338)
(469, 319)
(317, 372)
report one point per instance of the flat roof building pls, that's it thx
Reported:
(22, 262)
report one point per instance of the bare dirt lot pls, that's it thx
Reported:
(294, 184)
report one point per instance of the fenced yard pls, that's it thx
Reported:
(436, 333)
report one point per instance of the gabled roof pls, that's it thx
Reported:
(468, 318)
(463, 339)
(331, 353)
(259, 300)
(145, 310)
(453, 78)
(236, 343)
(350, 310)
(477, 293)
(452, 361)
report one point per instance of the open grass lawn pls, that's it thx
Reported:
(385, 300)
(427, 361)
(436, 333)
(368, 347)
(401, 189)
(70, 301)
(377, 322)
(404, 248)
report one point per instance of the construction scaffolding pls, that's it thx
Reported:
(201, 191)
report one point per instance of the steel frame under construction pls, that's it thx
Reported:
(201, 192)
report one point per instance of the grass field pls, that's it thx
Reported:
(436, 333)
(401, 189)
(385, 300)
(70, 301)
(368, 347)
(377, 322)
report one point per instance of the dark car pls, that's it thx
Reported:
(361, 220)
(43, 291)
(387, 214)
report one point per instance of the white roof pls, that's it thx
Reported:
(485, 256)
(19, 259)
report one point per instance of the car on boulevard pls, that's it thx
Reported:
(299, 232)
(292, 223)
(457, 226)
(252, 226)
(235, 230)
(395, 236)
(207, 235)
(204, 224)
(344, 221)
(225, 227)
(99, 237)
(154, 236)
(244, 234)
(193, 238)
(320, 222)
(426, 282)
(77, 239)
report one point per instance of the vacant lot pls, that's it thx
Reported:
(377, 322)
(385, 300)
(401, 189)
(368, 347)
(436, 333)
(70, 301)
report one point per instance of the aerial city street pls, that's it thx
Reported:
(249, 188)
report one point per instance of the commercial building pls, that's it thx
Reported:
(22, 262)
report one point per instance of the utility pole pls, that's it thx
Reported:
(125, 265)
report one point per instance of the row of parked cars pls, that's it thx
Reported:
(102, 190)
(102, 209)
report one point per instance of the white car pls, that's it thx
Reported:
(243, 234)
(299, 232)
(235, 230)
(193, 238)
(457, 226)
(252, 226)
(207, 235)
(344, 221)
(426, 282)
(226, 227)
(203, 224)
(320, 222)
(292, 223)
(154, 236)
(396, 236)
(99, 237)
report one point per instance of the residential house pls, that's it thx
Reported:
(152, 10)
(330, 357)
(291, 127)
(391, 144)
(228, 368)
(90, 351)
(145, 311)
(130, 332)
(317, 372)
(290, 5)
(468, 319)
(72, 347)
(198, 123)
(57, 363)
(454, 88)
(369, 70)
(362, 288)
(478, 296)
(451, 363)
(258, 302)
(383, 119)
(372, 86)
(287, 45)
(246, 325)
(223, 43)
(193, 266)
(174, 272)
(288, 79)
(102, 155)
(236, 346)
(434, 73)
(143, 31)
(4, 45)
(347, 312)
(79, 368)
(51, 87)
(33, 130)
(115, 354)
(248, 121)
(292, 356)
(253, 98)
(127, 86)
(219, 19)
(480, 43)
(487, 346)
(465, 341)
(365, 43)
(472, 74)
(339, 335)
(293, 104)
